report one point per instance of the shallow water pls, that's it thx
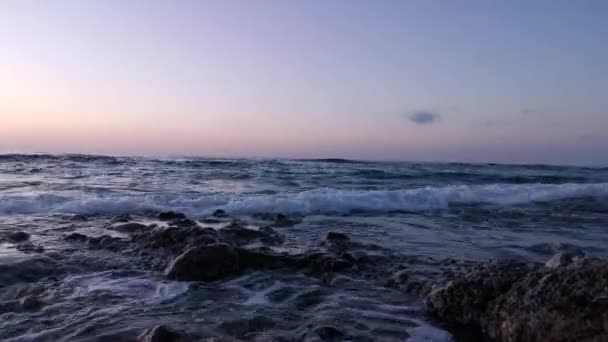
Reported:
(420, 211)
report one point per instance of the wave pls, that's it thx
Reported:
(319, 201)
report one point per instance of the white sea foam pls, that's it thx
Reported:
(318, 201)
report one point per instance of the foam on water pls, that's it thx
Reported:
(319, 201)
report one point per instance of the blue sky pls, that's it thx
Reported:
(499, 81)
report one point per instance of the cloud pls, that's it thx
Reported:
(424, 117)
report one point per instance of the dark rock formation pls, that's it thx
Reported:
(206, 262)
(567, 303)
(465, 300)
(511, 302)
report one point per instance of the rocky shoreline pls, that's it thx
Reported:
(564, 300)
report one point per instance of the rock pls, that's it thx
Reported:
(131, 227)
(108, 242)
(559, 304)
(170, 216)
(176, 239)
(159, 333)
(76, 237)
(334, 236)
(564, 259)
(464, 301)
(566, 302)
(17, 237)
(220, 213)
(337, 241)
(206, 262)
(30, 303)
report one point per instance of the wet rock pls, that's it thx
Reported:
(76, 237)
(567, 303)
(160, 333)
(206, 262)
(131, 227)
(464, 301)
(564, 302)
(220, 213)
(17, 237)
(170, 216)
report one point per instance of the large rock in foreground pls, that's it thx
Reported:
(206, 262)
(510, 302)
(564, 304)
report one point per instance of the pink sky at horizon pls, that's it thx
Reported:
(306, 80)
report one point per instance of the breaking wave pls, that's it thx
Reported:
(319, 201)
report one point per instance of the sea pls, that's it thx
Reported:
(443, 212)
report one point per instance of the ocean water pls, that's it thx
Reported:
(444, 211)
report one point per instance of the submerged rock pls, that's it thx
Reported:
(206, 262)
(170, 216)
(337, 241)
(18, 237)
(76, 237)
(26, 269)
(131, 227)
(220, 213)
(511, 302)
(121, 219)
(240, 235)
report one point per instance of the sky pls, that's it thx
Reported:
(472, 81)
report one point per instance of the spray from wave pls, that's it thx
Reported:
(319, 201)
